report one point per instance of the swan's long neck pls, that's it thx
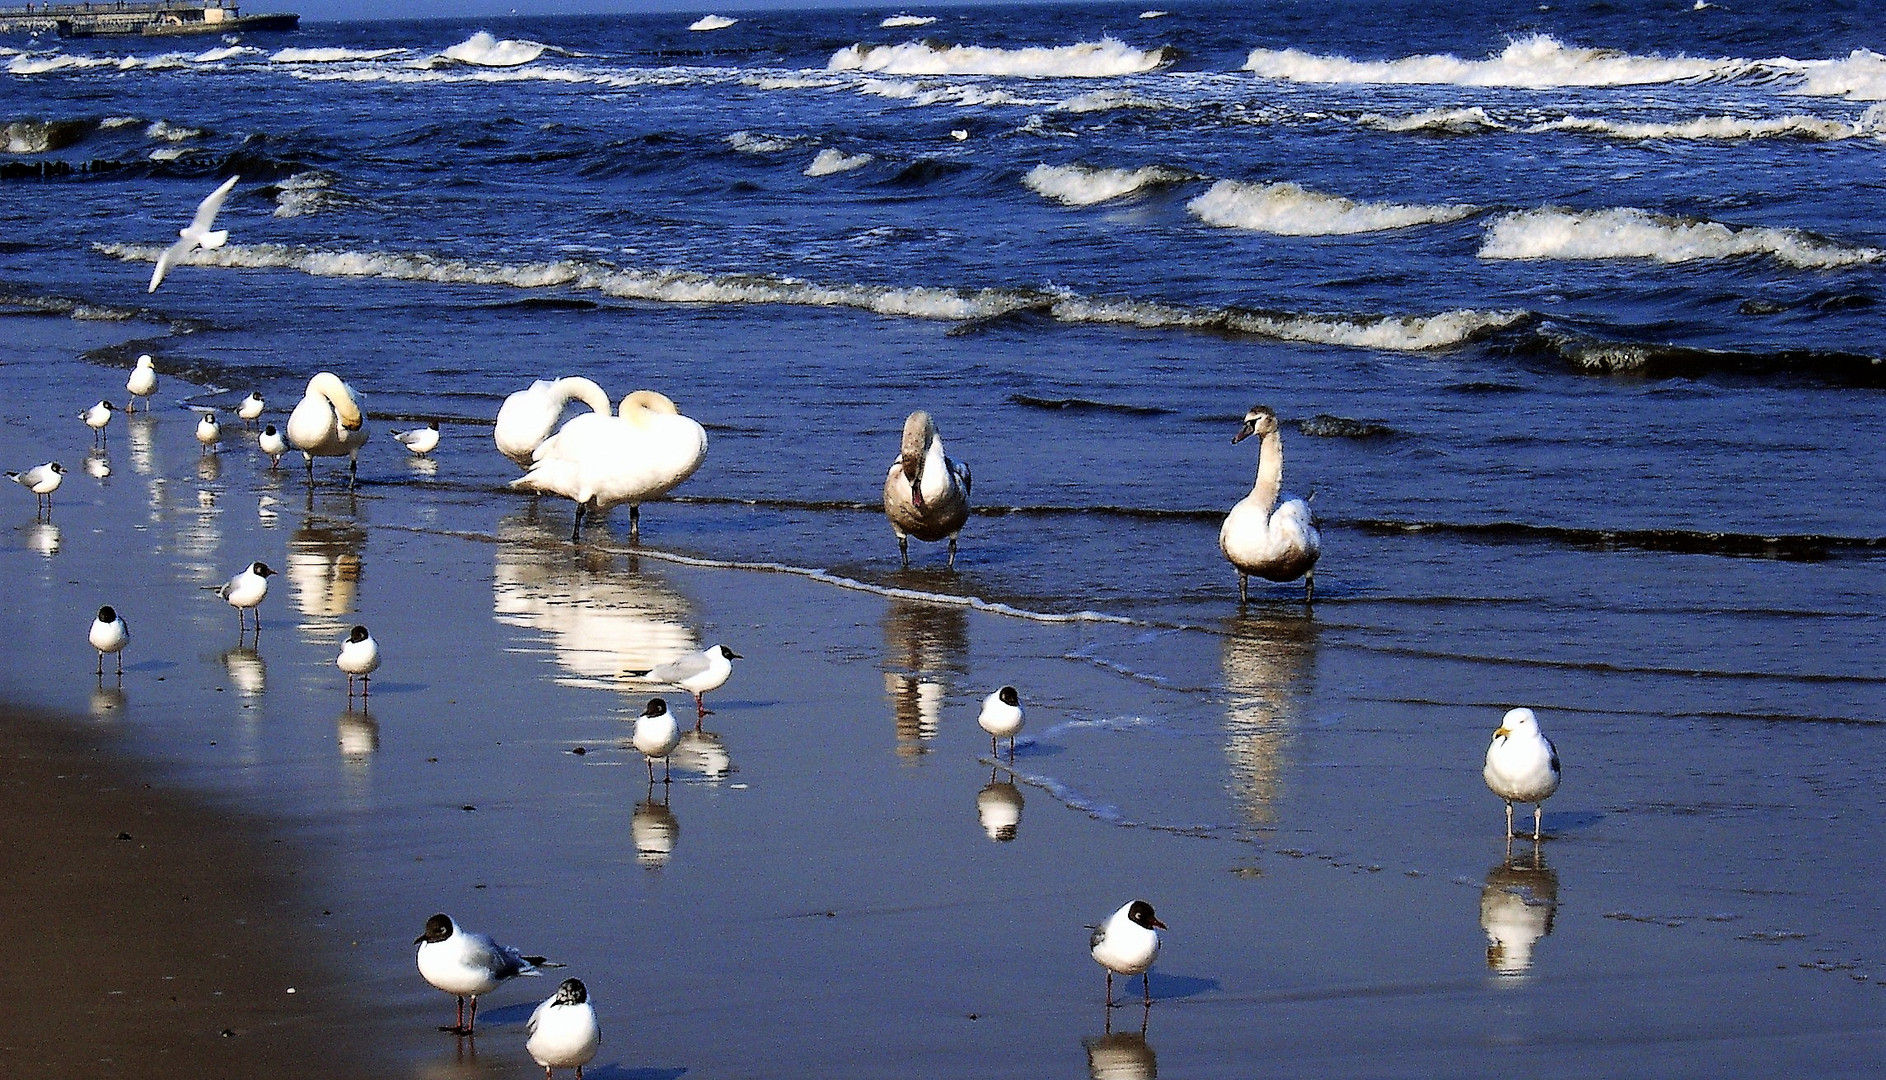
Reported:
(1270, 470)
(577, 388)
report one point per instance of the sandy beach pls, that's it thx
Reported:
(841, 881)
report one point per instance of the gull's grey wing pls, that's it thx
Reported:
(682, 667)
(212, 203)
(167, 260)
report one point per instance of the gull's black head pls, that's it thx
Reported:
(655, 707)
(572, 992)
(261, 570)
(1009, 696)
(107, 614)
(358, 635)
(56, 467)
(730, 654)
(438, 928)
(269, 430)
(1141, 912)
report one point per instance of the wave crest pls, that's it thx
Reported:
(1630, 233)
(893, 22)
(1289, 210)
(829, 161)
(482, 49)
(330, 55)
(1536, 61)
(1710, 127)
(1469, 121)
(1087, 60)
(1077, 185)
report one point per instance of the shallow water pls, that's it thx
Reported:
(1647, 502)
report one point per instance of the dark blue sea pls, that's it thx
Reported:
(1571, 311)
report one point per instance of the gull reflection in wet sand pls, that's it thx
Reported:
(248, 673)
(598, 616)
(923, 643)
(999, 808)
(358, 734)
(1517, 905)
(107, 702)
(1269, 658)
(42, 537)
(324, 568)
(98, 465)
(701, 752)
(1121, 1055)
(655, 830)
(143, 444)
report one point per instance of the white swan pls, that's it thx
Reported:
(528, 417)
(329, 421)
(599, 460)
(1275, 542)
(926, 495)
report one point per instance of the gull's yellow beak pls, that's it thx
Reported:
(1501, 734)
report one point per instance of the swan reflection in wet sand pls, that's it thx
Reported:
(655, 830)
(1517, 906)
(999, 808)
(1269, 661)
(597, 616)
(1121, 1055)
(702, 753)
(324, 567)
(923, 645)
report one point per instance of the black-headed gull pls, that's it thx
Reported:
(96, 418)
(656, 736)
(208, 431)
(197, 234)
(563, 1031)
(245, 591)
(1127, 943)
(109, 635)
(360, 656)
(1522, 766)
(419, 441)
(1277, 542)
(1001, 717)
(467, 963)
(42, 481)
(926, 493)
(251, 407)
(270, 442)
(697, 673)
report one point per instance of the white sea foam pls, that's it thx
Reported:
(227, 52)
(331, 55)
(712, 22)
(1534, 61)
(1629, 233)
(1091, 59)
(1106, 101)
(28, 137)
(895, 21)
(831, 161)
(758, 142)
(1709, 127)
(165, 130)
(1077, 185)
(168, 153)
(1155, 13)
(1289, 210)
(111, 122)
(484, 50)
(1393, 332)
(1468, 121)
(1858, 76)
(47, 63)
(303, 194)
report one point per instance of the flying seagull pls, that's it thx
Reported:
(196, 234)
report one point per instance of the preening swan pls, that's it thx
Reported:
(1275, 542)
(599, 460)
(330, 421)
(528, 417)
(926, 495)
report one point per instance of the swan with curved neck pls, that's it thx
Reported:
(329, 421)
(926, 494)
(598, 460)
(1277, 542)
(528, 417)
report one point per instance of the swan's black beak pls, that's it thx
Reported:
(1249, 429)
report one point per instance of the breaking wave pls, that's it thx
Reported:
(1629, 233)
(1390, 332)
(1536, 61)
(303, 194)
(712, 22)
(41, 136)
(1469, 121)
(1106, 101)
(829, 161)
(1859, 76)
(331, 55)
(893, 22)
(484, 50)
(1712, 127)
(1289, 210)
(750, 142)
(1076, 185)
(1087, 60)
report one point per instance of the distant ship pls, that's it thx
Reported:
(153, 17)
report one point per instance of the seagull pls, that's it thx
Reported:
(1001, 715)
(697, 673)
(597, 461)
(96, 418)
(926, 495)
(272, 444)
(1275, 542)
(208, 431)
(360, 655)
(196, 234)
(246, 590)
(250, 410)
(467, 963)
(528, 417)
(329, 421)
(656, 736)
(42, 481)
(110, 635)
(142, 383)
(419, 441)
(1127, 943)
(563, 1031)
(1522, 766)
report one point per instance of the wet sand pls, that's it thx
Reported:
(841, 881)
